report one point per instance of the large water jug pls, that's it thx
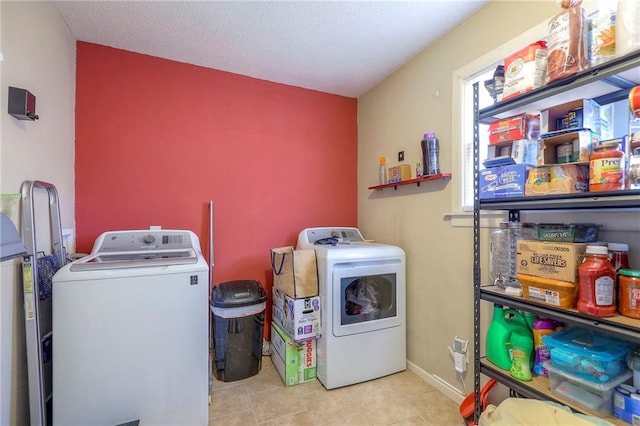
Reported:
(502, 251)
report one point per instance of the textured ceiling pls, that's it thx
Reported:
(340, 47)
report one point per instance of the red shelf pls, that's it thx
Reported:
(417, 181)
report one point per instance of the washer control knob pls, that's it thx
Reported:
(149, 238)
(334, 234)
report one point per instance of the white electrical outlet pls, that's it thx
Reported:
(460, 345)
(460, 362)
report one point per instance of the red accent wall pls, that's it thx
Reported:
(157, 139)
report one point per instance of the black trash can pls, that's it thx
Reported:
(238, 323)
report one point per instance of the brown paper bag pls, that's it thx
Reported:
(295, 272)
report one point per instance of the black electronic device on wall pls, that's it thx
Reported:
(22, 104)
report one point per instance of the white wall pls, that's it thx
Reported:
(39, 55)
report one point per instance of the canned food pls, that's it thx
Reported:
(538, 175)
(564, 153)
(629, 293)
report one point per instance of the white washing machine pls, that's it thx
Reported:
(363, 306)
(130, 332)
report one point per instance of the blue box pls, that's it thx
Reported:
(503, 182)
(626, 404)
(587, 354)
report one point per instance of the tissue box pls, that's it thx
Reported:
(295, 362)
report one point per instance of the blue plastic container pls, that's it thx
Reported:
(588, 354)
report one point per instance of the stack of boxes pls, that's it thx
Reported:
(554, 158)
(512, 152)
(295, 327)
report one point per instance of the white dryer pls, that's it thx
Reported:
(363, 306)
(130, 332)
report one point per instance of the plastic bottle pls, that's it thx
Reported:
(502, 252)
(382, 171)
(597, 283)
(521, 349)
(430, 154)
(419, 170)
(619, 255)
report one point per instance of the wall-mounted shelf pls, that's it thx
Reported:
(417, 181)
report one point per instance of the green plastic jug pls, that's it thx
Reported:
(498, 342)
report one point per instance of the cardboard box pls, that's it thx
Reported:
(588, 118)
(299, 318)
(521, 126)
(560, 179)
(522, 151)
(583, 142)
(546, 259)
(295, 362)
(399, 173)
(503, 182)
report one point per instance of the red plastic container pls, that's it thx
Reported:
(597, 283)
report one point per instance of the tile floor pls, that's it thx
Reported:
(400, 399)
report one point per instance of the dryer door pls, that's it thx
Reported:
(368, 296)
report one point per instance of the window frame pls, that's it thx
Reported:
(462, 114)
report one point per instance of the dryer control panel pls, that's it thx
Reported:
(125, 241)
(308, 237)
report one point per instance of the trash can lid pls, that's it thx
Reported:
(237, 293)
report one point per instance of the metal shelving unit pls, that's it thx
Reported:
(608, 82)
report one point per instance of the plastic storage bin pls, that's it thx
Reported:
(588, 355)
(594, 397)
(238, 323)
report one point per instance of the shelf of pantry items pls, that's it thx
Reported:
(395, 185)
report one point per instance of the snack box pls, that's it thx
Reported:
(300, 318)
(597, 398)
(521, 126)
(503, 182)
(295, 362)
(546, 259)
(558, 293)
(582, 140)
(588, 355)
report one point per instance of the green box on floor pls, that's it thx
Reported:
(295, 361)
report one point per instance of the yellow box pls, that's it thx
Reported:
(547, 259)
(558, 293)
(399, 173)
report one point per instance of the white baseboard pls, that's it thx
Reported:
(441, 385)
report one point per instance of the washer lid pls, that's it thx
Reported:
(134, 259)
